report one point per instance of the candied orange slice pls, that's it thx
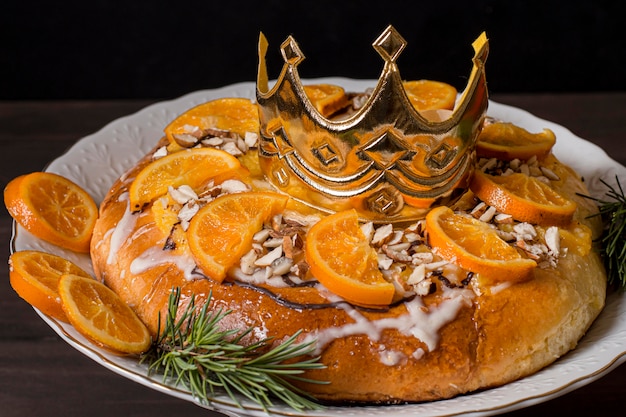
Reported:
(52, 208)
(192, 167)
(523, 197)
(238, 115)
(341, 258)
(221, 232)
(99, 314)
(165, 212)
(475, 246)
(35, 277)
(507, 141)
(327, 98)
(430, 95)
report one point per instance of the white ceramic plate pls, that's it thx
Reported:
(96, 161)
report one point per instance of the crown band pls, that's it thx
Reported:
(387, 160)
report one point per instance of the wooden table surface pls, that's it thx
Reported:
(40, 375)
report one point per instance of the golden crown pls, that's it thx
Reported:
(387, 160)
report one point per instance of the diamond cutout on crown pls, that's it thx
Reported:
(385, 150)
(326, 154)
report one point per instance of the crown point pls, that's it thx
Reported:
(480, 43)
(390, 44)
(291, 52)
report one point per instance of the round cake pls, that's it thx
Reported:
(451, 323)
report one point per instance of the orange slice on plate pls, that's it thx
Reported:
(35, 277)
(523, 197)
(221, 232)
(327, 98)
(52, 208)
(192, 167)
(507, 141)
(430, 95)
(475, 246)
(99, 314)
(341, 258)
(233, 114)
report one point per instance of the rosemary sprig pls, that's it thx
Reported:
(613, 240)
(194, 352)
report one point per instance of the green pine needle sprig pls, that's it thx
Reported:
(613, 239)
(194, 352)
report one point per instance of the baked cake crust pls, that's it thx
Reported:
(458, 339)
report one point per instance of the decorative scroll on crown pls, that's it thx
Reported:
(387, 160)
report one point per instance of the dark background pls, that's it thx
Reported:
(91, 49)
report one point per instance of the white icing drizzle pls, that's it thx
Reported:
(420, 322)
(391, 357)
(499, 287)
(106, 235)
(155, 256)
(122, 230)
